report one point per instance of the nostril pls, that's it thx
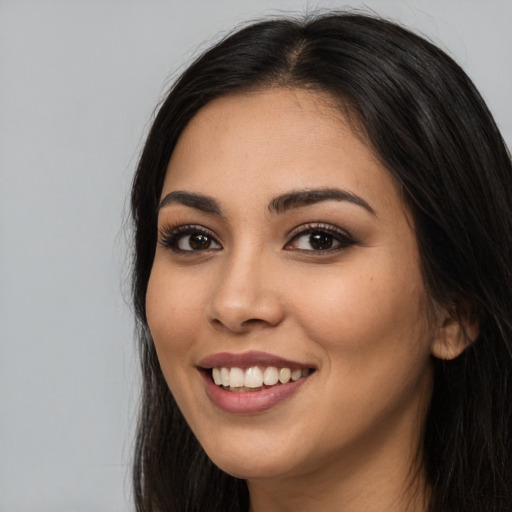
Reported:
(253, 322)
(237, 326)
(219, 325)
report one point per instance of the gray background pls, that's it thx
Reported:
(78, 83)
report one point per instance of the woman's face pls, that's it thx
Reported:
(285, 248)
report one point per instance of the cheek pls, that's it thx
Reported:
(376, 310)
(373, 329)
(173, 310)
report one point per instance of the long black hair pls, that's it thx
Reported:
(430, 128)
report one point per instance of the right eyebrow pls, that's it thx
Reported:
(201, 202)
(306, 197)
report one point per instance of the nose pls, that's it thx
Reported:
(246, 297)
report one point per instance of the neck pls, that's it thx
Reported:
(391, 491)
(374, 477)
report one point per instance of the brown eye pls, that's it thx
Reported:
(315, 241)
(198, 242)
(188, 238)
(320, 241)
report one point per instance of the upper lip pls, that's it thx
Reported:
(248, 359)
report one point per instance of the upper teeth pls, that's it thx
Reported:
(255, 377)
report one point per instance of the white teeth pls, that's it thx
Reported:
(224, 376)
(270, 376)
(253, 377)
(216, 376)
(296, 374)
(284, 375)
(236, 378)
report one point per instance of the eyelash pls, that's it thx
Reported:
(340, 236)
(170, 237)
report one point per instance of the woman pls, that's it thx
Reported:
(322, 242)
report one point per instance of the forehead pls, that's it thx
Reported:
(271, 141)
(283, 116)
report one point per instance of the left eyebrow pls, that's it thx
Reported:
(201, 202)
(306, 197)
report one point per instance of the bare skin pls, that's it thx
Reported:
(330, 281)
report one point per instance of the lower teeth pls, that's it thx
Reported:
(243, 389)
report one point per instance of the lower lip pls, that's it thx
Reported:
(250, 402)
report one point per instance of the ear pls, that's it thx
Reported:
(456, 330)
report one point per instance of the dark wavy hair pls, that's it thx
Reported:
(430, 128)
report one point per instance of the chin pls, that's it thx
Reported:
(246, 471)
(252, 466)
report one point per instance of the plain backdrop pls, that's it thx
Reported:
(78, 84)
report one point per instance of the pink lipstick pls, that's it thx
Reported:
(251, 382)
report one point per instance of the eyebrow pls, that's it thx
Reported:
(198, 201)
(300, 198)
(280, 204)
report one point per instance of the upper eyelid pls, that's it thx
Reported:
(170, 230)
(320, 226)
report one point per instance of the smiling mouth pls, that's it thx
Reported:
(256, 378)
